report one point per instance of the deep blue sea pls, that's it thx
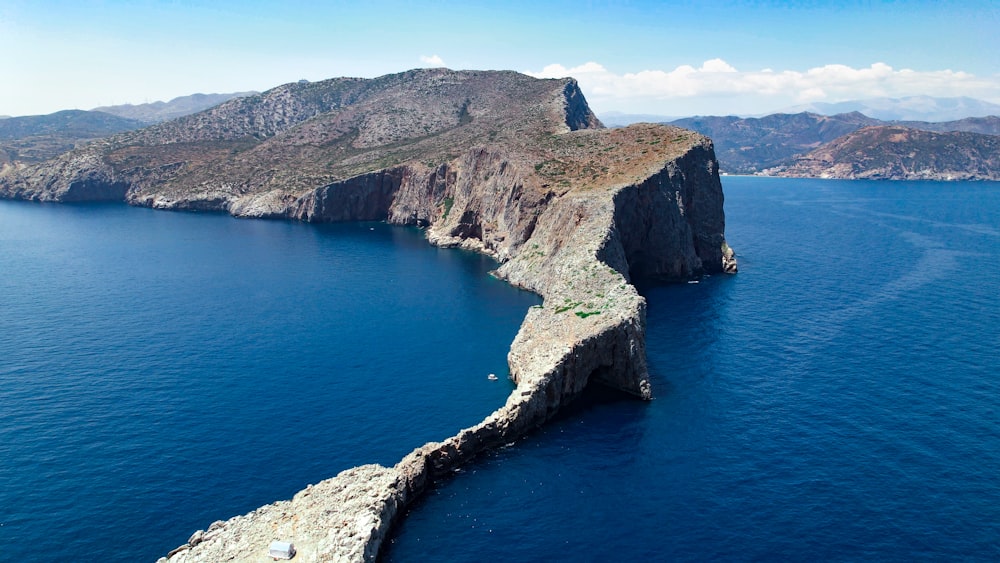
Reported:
(837, 400)
(160, 371)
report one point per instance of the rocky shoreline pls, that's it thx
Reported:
(492, 161)
(591, 327)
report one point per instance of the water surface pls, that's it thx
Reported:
(160, 371)
(837, 400)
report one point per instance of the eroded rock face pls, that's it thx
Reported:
(578, 250)
(571, 211)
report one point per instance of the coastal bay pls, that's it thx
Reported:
(164, 370)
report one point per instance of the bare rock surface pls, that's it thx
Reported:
(496, 162)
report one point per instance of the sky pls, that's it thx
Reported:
(666, 58)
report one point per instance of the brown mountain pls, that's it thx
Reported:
(35, 138)
(351, 148)
(752, 144)
(902, 153)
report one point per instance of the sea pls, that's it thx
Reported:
(837, 400)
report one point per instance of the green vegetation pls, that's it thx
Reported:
(448, 202)
(568, 306)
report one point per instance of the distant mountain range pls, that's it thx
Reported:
(894, 152)
(35, 138)
(911, 108)
(70, 123)
(156, 112)
(751, 145)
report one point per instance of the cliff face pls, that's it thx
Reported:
(571, 211)
(576, 248)
(902, 153)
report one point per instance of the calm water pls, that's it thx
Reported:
(838, 400)
(159, 371)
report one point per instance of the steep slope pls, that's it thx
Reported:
(497, 162)
(901, 153)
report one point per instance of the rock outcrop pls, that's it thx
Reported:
(570, 210)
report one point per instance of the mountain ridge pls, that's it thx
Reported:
(155, 112)
(907, 108)
(36, 138)
(753, 145)
(894, 152)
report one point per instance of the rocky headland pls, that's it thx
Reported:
(497, 162)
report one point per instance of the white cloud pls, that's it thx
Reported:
(433, 60)
(717, 87)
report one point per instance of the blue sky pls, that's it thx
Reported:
(669, 58)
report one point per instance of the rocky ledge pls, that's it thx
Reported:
(500, 163)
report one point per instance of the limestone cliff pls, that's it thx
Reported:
(570, 210)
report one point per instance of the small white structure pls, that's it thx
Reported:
(281, 550)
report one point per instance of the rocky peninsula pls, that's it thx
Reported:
(501, 163)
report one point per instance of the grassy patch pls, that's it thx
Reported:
(448, 202)
(568, 306)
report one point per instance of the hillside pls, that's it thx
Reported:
(748, 145)
(751, 145)
(989, 125)
(902, 153)
(155, 112)
(264, 155)
(36, 138)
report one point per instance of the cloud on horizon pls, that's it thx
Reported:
(716, 81)
(433, 60)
